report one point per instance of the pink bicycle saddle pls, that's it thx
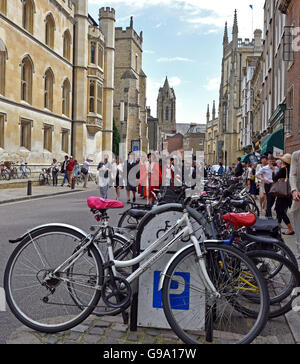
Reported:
(98, 203)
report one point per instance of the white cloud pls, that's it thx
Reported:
(174, 81)
(213, 84)
(174, 59)
(214, 12)
(148, 51)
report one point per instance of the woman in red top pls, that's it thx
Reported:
(154, 176)
(143, 177)
(70, 168)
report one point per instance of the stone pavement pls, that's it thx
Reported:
(111, 330)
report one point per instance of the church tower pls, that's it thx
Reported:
(166, 109)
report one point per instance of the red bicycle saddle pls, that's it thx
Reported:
(240, 219)
(98, 203)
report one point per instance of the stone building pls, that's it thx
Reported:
(56, 80)
(153, 132)
(130, 88)
(194, 139)
(166, 110)
(235, 54)
(291, 57)
(210, 145)
(273, 80)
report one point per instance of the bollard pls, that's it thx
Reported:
(73, 183)
(29, 188)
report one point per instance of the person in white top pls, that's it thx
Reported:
(261, 184)
(265, 174)
(117, 176)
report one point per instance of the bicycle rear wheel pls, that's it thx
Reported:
(197, 316)
(45, 304)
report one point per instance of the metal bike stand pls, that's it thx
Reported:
(135, 296)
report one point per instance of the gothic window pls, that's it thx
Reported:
(100, 56)
(93, 53)
(3, 6)
(167, 114)
(66, 89)
(25, 134)
(92, 94)
(2, 118)
(290, 111)
(225, 117)
(28, 15)
(48, 137)
(65, 140)
(3, 57)
(99, 98)
(67, 45)
(26, 79)
(48, 89)
(49, 30)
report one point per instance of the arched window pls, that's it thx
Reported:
(26, 79)
(28, 15)
(49, 30)
(167, 113)
(93, 53)
(3, 58)
(66, 89)
(48, 89)
(92, 93)
(67, 45)
(3, 6)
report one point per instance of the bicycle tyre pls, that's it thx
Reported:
(287, 283)
(125, 218)
(192, 336)
(42, 179)
(9, 280)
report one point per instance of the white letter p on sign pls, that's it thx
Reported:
(2, 300)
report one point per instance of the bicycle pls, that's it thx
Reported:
(45, 176)
(25, 170)
(4, 173)
(65, 288)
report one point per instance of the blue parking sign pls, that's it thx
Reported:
(180, 299)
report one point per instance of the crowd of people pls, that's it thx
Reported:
(261, 176)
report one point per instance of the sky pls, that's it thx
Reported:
(182, 39)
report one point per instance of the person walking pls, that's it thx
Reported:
(104, 169)
(86, 170)
(239, 170)
(265, 174)
(70, 169)
(261, 185)
(251, 181)
(131, 163)
(55, 170)
(295, 188)
(283, 203)
(221, 169)
(76, 171)
(64, 170)
(117, 176)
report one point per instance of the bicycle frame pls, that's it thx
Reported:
(187, 230)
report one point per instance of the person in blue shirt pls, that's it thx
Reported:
(221, 169)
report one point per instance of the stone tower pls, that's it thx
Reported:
(166, 109)
(107, 26)
(130, 87)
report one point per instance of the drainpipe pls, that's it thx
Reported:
(73, 90)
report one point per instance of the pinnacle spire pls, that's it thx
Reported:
(235, 29)
(208, 113)
(166, 84)
(214, 110)
(225, 38)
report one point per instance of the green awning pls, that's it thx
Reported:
(243, 157)
(274, 140)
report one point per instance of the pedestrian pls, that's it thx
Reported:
(131, 163)
(55, 170)
(76, 171)
(252, 181)
(85, 170)
(168, 173)
(265, 174)
(70, 169)
(154, 176)
(117, 176)
(260, 184)
(295, 188)
(104, 169)
(283, 203)
(143, 176)
(239, 170)
(221, 169)
(64, 170)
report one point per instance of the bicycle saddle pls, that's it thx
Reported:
(137, 213)
(98, 203)
(265, 225)
(239, 220)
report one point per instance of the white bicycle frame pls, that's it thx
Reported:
(187, 230)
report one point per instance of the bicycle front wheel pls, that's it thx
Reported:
(45, 304)
(197, 315)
